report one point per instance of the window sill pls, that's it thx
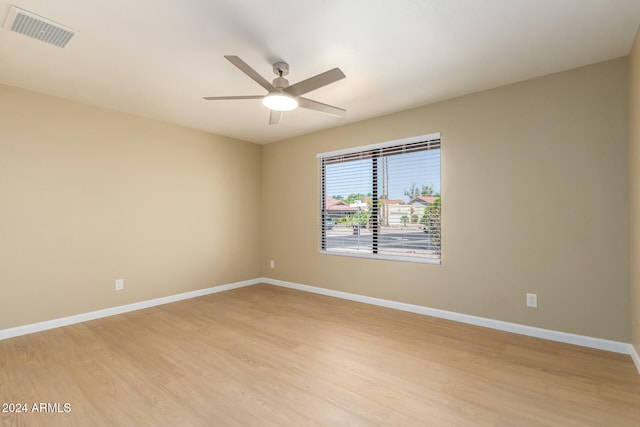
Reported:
(415, 260)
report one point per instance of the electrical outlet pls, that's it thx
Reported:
(532, 300)
(272, 264)
(119, 284)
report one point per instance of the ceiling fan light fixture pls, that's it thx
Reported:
(280, 102)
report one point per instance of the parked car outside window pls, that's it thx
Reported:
(328, 223)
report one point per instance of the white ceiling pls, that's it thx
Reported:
(158, 58)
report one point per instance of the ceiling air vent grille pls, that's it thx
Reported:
(39, 28)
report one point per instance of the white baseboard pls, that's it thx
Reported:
(70, 320)
(635, 357)
(581, 340)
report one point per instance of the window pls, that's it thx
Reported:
(383, 200)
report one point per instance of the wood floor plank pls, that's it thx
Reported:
(265, 355)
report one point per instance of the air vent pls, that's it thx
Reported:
(39, 28)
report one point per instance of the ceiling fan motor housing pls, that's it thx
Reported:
(280, 82)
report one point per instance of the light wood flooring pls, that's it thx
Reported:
(270, 356)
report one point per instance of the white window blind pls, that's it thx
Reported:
(383, 201)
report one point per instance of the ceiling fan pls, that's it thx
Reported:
(281, 96)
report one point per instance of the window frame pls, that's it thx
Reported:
(362, 149)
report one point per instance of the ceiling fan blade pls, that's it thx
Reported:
(245, 68)
(319, 106)
(274, 117)
(217, 98)
(315, 82)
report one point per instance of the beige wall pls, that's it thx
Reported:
(535, 199)
(89, 195)
(634, 190)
